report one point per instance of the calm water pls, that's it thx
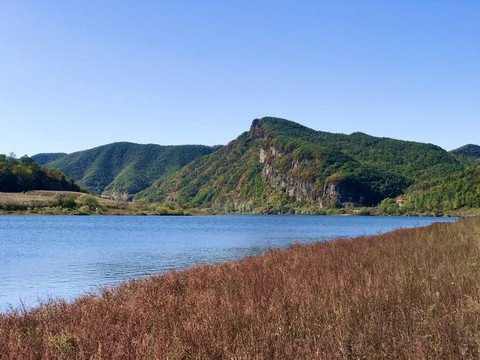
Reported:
(64, 256)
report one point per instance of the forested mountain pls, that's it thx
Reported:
(281, 165)
(45, 158)
(278, 166)
(468, 150)
(439, 195)
(126, 166)
(25, 175)
(455, 191)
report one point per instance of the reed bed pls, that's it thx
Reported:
(407, 294)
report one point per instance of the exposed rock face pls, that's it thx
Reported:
(299, 189)
(343, 190)
(334, 190)
(256, 130)
(263, 155)
(338, 190)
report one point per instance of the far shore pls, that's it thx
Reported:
(42, 202)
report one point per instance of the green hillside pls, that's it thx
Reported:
(283, 166)
(126, 166)
(468, 150)
(449, 193)
(25, 175)
(45, 158)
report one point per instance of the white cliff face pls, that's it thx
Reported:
(269, 155)
(295, 186)
(263, 155)
(284, 170)
(299, 189)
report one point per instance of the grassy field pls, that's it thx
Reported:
(42, 198)
(408, 294)
(42, 202)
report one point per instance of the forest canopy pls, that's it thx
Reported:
(24, 174)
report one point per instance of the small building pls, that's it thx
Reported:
(400, 202)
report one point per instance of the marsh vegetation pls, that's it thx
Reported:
(411, 293)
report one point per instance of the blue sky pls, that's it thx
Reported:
(79, 74)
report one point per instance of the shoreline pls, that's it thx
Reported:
(400, 293)
(74, 203)
(27, 213)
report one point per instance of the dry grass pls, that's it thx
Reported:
(409, 294)
(37, 200)
(33, 198)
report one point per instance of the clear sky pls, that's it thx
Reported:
(79, 74)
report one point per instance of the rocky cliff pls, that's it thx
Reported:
(282, 165)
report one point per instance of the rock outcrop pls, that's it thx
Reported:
(294, 187)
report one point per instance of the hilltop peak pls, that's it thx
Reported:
(126, 166)
(269, 126)
(257, 130)
(279, 164)
(469, 150)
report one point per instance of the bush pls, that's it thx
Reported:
(65, 202)
(83, 210)
(89, 200)
(64, 344)
(164, 209)
(364, 211)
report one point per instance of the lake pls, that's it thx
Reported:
(46, 257)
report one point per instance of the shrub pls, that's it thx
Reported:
(89, 200)
(65, 202)
(364, 211)
(83, 210)
(64, 344)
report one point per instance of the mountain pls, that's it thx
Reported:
(25, 175)
(281, 165)
(435, 196)
(45, 158)
(468, 150)
(126, 166)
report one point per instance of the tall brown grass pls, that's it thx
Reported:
(408, 294)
